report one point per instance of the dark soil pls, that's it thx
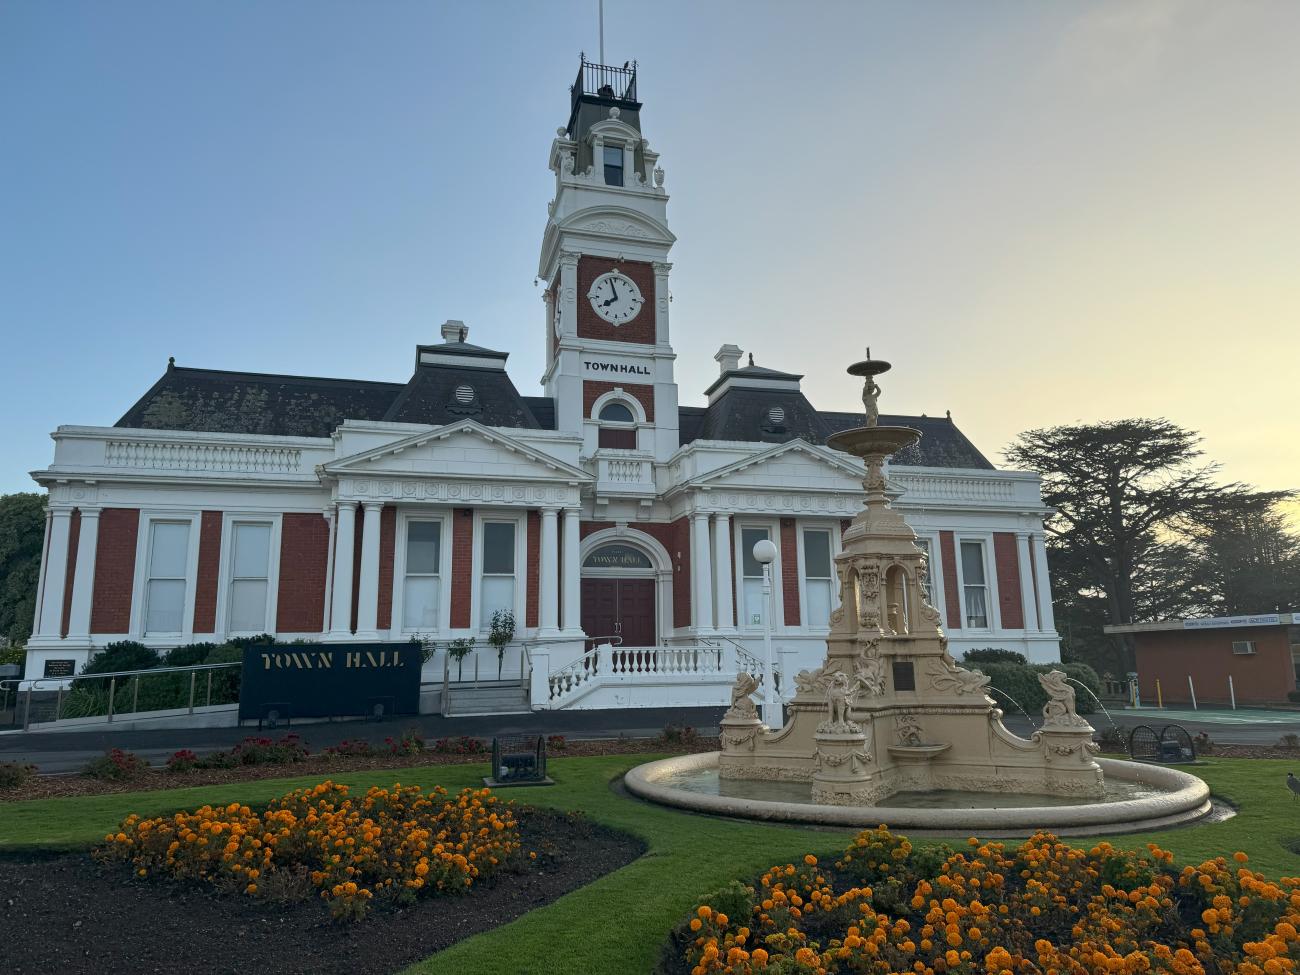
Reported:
(66, 913)
(151, 779)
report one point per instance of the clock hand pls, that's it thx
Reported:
(613, 292)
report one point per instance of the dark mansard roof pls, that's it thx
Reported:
(220, 401)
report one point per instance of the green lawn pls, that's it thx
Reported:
(617, 923)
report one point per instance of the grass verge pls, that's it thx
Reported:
(616, 924)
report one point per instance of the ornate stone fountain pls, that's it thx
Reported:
(890, 710)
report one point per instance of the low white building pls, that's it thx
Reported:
(603, 511)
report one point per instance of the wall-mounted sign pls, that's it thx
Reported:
(617, 557)
(60, 668)
(324, 680)
(1215, 622)
(621, 368)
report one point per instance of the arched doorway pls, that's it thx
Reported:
(618, 594)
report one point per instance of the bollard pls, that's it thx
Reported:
(209, 697)
(1232, 693)
(135, 696)
(1192, 688)
(1160, 698)
(193, 677)
(112, 693)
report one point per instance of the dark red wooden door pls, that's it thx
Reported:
(636, 610)
(620, 607)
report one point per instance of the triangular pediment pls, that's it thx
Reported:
(459, 450)
(795, 465)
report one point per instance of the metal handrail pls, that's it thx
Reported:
(112, 676)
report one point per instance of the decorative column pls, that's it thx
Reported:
(368, 593)
(329, 567)
(1028, 602)
(56, 571)
(548, 570)
(722, 573)
(1046, 617)
(83, 580)
(661, 269)
(571, 574)
(568, 294)
(345, 535)
(702, 572)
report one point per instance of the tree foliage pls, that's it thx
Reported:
(1143, 529)
(22, 536)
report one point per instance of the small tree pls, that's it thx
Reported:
(500, 634)
(458, 650)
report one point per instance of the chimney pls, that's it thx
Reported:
(454, 330)
(728, 358)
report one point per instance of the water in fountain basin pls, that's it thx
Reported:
(1017, 704)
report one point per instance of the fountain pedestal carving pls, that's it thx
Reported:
(890, 710)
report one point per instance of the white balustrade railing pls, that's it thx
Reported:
(919, 486)
(179, 455)
(632, 663)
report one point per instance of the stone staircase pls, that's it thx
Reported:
(489, 697)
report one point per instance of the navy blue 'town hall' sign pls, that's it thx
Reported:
(322, 680)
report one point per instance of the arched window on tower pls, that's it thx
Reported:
(617, 426)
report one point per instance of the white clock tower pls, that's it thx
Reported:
(605, 260)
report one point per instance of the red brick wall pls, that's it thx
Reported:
(114, 570)
(205, 588)
(1261, 678)
(790, 572)
(948, 562)
(74, 536)
(643, 393)
(1006, 562)
(591, 326)
(387, 541)
(462, 566)
(304, 559)
(533, 569)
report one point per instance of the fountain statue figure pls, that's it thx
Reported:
(890, 710)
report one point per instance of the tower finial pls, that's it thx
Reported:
(751, 358)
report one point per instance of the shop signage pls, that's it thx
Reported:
(621, 368)
(324, 680)
(1216, 622)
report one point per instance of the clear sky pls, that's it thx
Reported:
(1040, 212)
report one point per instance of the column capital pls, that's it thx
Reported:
(1022, 533)
(372, 505)
(568, 259)
(661, 268)
(60, 511)
(721, 517)
(90, 510)
(550, 509)
(342, 504)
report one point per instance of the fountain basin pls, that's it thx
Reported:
(1138, 797)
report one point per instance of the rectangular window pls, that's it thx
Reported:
(974, 584)
(751, 577)
(818, 576)
(613, 165)
(423, 586)
(1243, 648)
(498, 560)
(250, 560)
(164, 600)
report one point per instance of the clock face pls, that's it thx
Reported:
(615, 297)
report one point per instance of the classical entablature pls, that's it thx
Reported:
(606, 228)
(787, 479)
(464, 463)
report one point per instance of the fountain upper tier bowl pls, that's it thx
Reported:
(866, 441)
(1138, 797)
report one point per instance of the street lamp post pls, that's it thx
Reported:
(773, 712)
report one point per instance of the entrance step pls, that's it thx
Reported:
(489, 699)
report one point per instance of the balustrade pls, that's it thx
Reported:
(177, 455)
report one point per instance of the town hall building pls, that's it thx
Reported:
(610, 511)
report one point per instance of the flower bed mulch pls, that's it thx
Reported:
(152, 779)
(66, 913)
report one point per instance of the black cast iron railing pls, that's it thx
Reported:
(605, 81)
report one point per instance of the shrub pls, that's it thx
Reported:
(182, 761)
(994, 655)
(1203, 744)
(991, 909)
(391, 844)
(411, 742)
(500, 633)
(1293, 697)
(1015, 684)
(679, 736)
(13, 775)
(115, 765)
(351, 748)
(123, 655)
(464, 745)
(556, 743)
(266, 751)
(1289, 740)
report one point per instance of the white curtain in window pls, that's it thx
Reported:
(751, 582)
(250, 560)
(819, 588)
(497, 590)
(169, 543)
(973, 581)
(420, 598)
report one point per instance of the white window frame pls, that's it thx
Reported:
(773, 527)
(520, 520)
(800, 526)
(404, 517)
(990, 582)
(140, 583)
(228, 521)
(640, 424)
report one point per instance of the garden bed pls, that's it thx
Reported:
(67, 913)
(322, 764)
